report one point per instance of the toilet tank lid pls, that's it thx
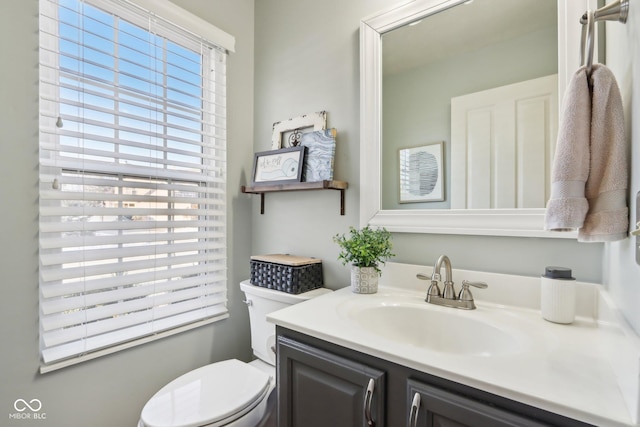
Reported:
(212, 393)
(280, 296)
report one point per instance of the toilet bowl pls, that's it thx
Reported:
(229, 393)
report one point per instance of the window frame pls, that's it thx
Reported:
(227, 43)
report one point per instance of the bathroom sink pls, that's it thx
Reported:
(432, 328)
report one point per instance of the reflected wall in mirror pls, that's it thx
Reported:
(401, 109)
(499, 137)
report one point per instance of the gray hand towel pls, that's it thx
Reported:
(591, 166)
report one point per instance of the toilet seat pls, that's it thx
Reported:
(213, 395)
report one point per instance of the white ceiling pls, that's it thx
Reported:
(464, 28)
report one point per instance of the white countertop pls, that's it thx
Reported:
(565, 369)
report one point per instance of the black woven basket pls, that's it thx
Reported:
(286, 278)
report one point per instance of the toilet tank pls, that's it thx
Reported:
(262, 301)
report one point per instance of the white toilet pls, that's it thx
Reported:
(230, 393)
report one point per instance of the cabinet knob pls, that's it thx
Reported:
(367, 403)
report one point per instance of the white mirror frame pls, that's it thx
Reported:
(488, 222)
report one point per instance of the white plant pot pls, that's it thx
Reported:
(364, 280)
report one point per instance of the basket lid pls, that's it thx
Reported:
(286, 259)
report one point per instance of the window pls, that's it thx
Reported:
(132, 179)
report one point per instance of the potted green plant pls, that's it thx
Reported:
(364, 249)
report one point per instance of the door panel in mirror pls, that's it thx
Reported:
(502, 141)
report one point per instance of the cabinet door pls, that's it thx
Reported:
(319, 389)
(433, 407)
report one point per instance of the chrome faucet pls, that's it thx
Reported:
(448, 298)
(449, 291)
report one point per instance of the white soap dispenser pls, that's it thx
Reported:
(558, 295)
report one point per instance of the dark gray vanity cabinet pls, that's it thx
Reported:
(321, 384)
(317, 388)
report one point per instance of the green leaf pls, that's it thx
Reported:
(366, 247)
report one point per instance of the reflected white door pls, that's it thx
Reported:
(502, 145)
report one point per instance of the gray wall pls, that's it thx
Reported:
(307, 59)
(109, 391)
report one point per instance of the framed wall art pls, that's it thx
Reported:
(278, 166)
(421, 173)
(319, 157)
(286, 133)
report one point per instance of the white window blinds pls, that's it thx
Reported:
(132, 178)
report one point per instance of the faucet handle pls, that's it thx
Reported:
(465, 293)
(433, 290)
(481, 285)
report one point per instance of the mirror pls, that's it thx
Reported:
(487, 49)
(397, 116)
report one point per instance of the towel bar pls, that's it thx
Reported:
(615, 11)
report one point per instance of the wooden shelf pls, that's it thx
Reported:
(297, 186)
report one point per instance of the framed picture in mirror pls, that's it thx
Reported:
(421, 173)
